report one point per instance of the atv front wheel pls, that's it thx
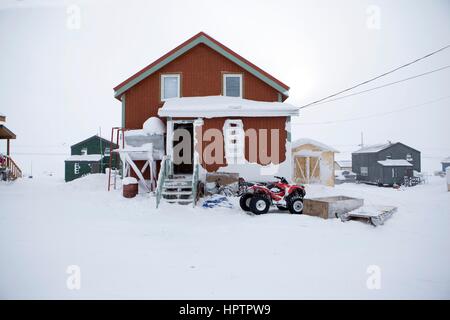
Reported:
(259, 204)
(244, 201)
(295, 205)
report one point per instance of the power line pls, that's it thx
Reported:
(385, 85)
(375, 78)
(375, 114)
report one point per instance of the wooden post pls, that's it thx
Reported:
(7, 147)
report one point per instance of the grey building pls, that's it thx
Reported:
(385, 164)
(445, 163)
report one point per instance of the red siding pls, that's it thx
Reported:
(201, 70)
(249, 123)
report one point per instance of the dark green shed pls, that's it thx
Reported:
(89, 156)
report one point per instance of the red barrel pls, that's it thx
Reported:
(130, 187)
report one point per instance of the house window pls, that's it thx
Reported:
(170, 86)
(107, 151)
(234, 139)
(389, 156)
(409, 157)
(232, 85)
(84, 151)
(364, 171)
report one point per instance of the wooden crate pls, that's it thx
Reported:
(330, 207)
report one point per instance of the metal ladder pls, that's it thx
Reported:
(115, 133)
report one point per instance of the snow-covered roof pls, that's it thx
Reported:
(446, 160)
(221, 106)
(395, 163)
(344, 163)
(85, 157)
(303, 141)
(374, 148)
(92, 137)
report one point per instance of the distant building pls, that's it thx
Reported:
(89, 156)
(313, 162)
(385, 164)
(8, 168)
(445, 163)
(343, 165)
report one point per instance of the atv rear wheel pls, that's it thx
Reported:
(295, 205)
(259, 204)
(244, 201)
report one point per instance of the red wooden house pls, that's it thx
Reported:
(204, 88)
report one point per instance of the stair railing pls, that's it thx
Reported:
(14, 169)
(195, 179)
(163, 173)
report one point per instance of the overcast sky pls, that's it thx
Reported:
(57, 75)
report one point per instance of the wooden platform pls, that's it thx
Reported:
(330, 207)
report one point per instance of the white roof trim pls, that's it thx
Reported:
(395, 163)
(85, 157)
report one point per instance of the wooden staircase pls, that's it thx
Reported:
(177, 189)
(13, 168)
(181, 189)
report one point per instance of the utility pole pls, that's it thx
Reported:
(362, 140)
(101, 149)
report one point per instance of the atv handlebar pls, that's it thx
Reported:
(282, 179)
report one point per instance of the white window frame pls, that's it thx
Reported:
(234, 141)
(170, 75)
(84, 151)
(409, 157)
(231, 75)
(366, 171)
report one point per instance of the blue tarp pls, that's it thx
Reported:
(217, 201)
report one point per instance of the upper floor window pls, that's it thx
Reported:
(232, 85)
(170, 86)
(388, 156)
(409, 157)
(84, 151)
(107, 150)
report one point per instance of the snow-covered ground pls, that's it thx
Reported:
(125, 248)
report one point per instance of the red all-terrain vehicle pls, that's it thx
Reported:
(259, 197)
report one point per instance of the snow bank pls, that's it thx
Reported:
(221, 106)
(180, 252)
(154, 125)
